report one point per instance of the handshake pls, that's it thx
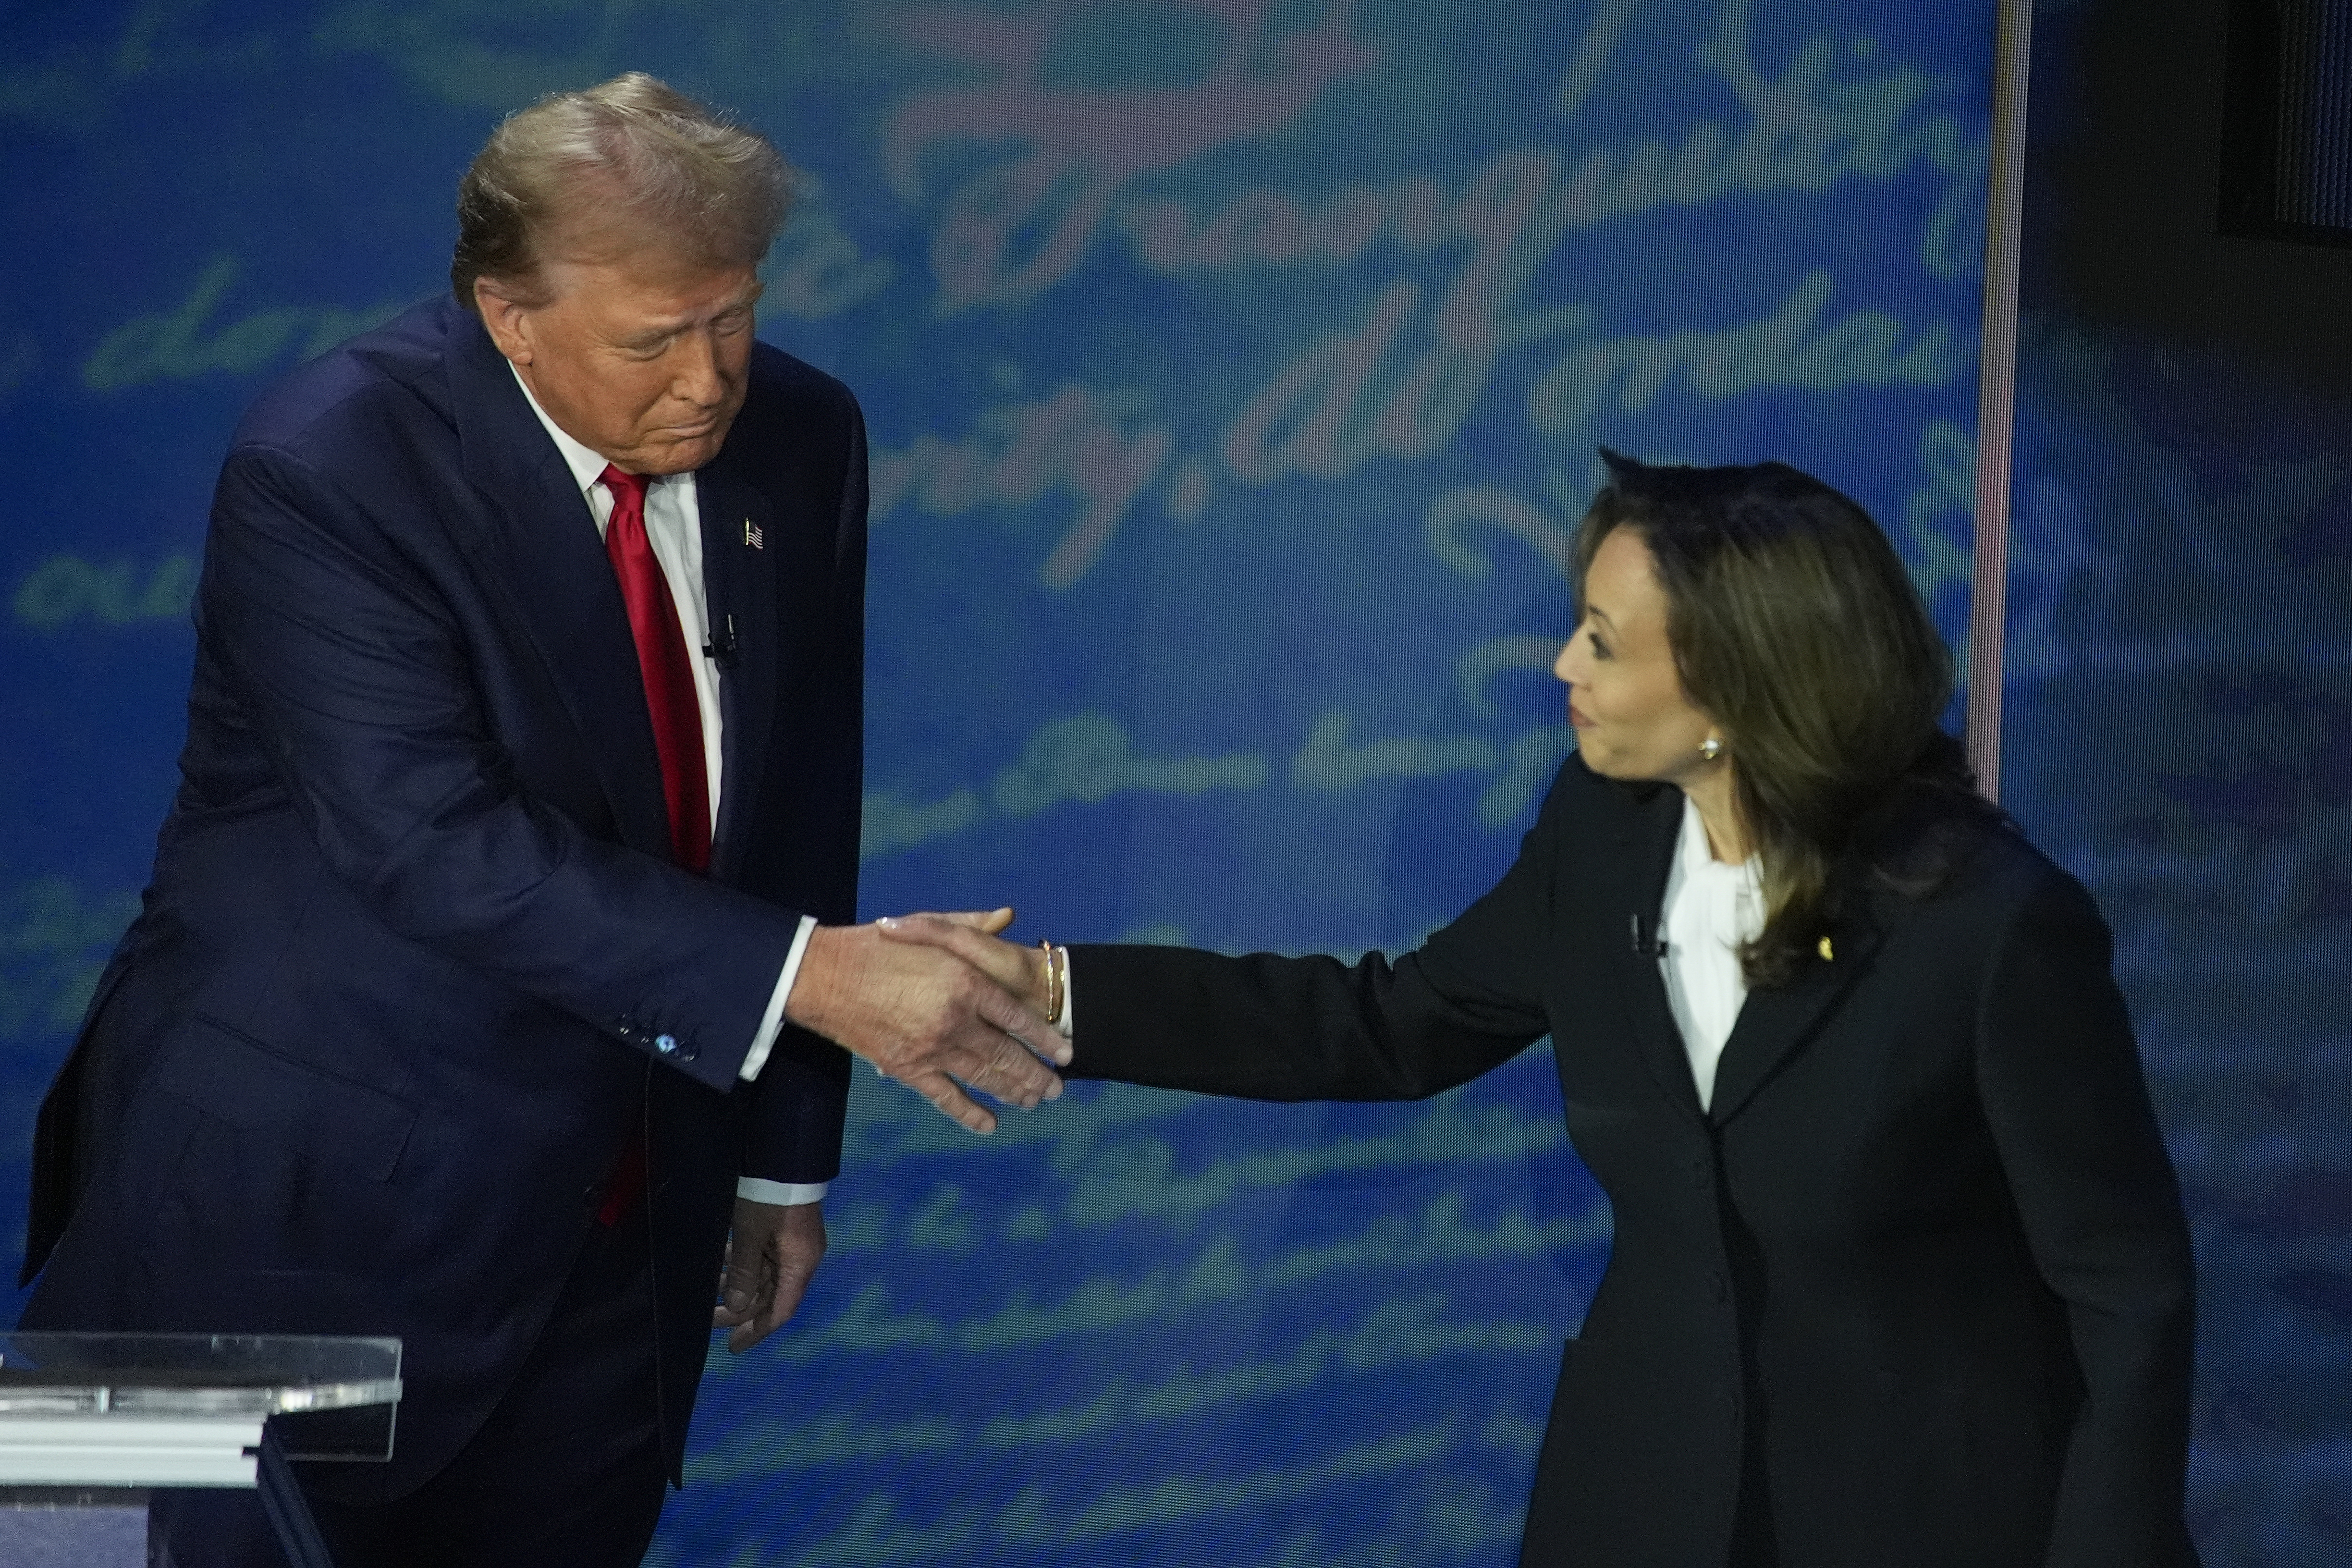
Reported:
(939, 1004)
(942, 1004)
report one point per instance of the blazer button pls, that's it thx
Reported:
(665, 1044)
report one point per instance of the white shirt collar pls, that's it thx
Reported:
(1711, 909)
(587, 465)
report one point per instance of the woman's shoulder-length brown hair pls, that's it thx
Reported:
(1796, 628)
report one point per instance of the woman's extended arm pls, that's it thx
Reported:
(1268, 1028)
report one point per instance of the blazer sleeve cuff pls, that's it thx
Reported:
(785, 1194)
(772, 1020)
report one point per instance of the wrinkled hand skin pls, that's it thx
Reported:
(771, 1255)
(928, 1017)
(971, 935)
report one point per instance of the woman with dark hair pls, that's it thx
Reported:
(1900, 1275)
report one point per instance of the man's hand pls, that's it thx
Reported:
(928, 1018)
(771, 1255)
(972, 936)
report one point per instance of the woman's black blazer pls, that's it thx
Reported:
(1917, 1282)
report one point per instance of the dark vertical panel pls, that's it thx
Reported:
(2180, 679)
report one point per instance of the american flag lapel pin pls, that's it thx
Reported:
(752, 536)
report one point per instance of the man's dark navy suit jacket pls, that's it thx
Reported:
(414, 957)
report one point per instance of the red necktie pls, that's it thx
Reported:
(664, 661)
(668, 667)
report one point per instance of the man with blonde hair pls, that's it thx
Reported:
(497, 958)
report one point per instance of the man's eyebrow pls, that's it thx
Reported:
(744, 300)
(671, 328)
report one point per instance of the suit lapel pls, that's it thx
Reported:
(1647, 853)
(742, 547)
(542, 549)
(1776, 1020)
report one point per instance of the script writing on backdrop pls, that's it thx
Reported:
(1234, 372)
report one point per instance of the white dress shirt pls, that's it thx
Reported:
(1711, 909)
(674, 527)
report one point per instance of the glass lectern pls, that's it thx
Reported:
(92, 1424)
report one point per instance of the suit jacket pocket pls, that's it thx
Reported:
(230, 1075)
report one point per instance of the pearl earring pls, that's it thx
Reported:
(1710, 748)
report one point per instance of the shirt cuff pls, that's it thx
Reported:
(773, 1019)
(1067, 1022)
(787, 1194)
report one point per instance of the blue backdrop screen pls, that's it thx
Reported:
(1235, 371)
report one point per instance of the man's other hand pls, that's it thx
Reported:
(771, 1255)
(928, 1018)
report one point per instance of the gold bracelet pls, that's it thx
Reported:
(1055, 959)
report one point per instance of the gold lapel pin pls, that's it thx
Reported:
(754, 535)
(1829, 955)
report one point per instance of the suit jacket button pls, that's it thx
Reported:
(665, 1044)
(686, 1051)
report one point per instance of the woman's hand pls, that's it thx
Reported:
(971, 935)
(924, 1014)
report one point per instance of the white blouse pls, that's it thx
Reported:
(1710, 909)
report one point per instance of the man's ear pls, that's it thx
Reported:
(507, 319)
